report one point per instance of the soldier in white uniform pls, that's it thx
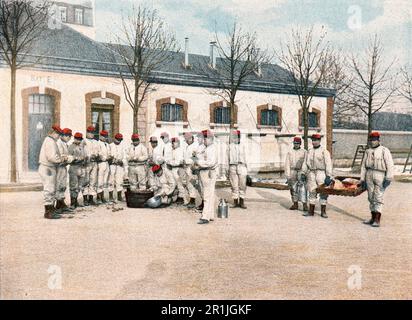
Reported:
(117, 166)
(164, 185)
(90, 168)
(176, 165)
(103, 166)
(237, 170)
(198, 153)
(61, 205)
(207, 164)
(76, 170)
(137, 156)
(155, 156)
(49, 160)
(317, 169)
(376, 175)
(293, 171)
(166, 150)
(188, 155)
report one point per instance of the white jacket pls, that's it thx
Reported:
(188, 152)
(380, 159)
(103, 150)
(318, 159)
(164, 185)
(167, 152)
(208, 158)
(237, 153)
(136, 154)
(91, 148)
(117, 152)
(49, 153)
(177, 157)
(156, 155)
(294, 161)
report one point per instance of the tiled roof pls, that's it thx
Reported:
(66, 50)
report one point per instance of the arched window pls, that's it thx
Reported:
(221, 113)
(172, 112)
(269, 116)
(313, 118)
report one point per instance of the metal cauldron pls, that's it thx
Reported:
(137, 199)
(223, 209)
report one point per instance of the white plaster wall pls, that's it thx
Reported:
(262, 151)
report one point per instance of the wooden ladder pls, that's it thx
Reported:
(407, 162)
(360, 151)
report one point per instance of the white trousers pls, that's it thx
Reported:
(190, 177)
(61, 181)
(315, 179)
(374, 182)
(237, 177)
(137, 177)
(76, 176)
(179, 175)
(90, 179)
(48, 176)
(208, 180)
(102, 176)
(116, 175)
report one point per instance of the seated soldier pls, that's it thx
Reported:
(164, 185)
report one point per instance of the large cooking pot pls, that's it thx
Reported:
(137, 199)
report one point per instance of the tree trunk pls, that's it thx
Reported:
(135, 119)
(305, 127)
(370, 115)
(13, 160)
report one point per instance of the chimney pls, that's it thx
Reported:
(187, 52)
(212, 54)
(259, 64)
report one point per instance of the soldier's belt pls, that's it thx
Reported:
(136, 163)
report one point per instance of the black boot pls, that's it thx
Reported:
(73, 203)
(235, 203)
(99, 198)
(91, 201)
(377, 221)
(305, 206)
(323, 211)
(111, 198)
(371, 220)
(295, 206)
(49, 212)
(242, 203)
(119, 196)
(62, 208)
(85, 201)
(311, 211)
(201, 206)
(192, 203)
(102, 199)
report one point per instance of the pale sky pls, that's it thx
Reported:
(349, 23)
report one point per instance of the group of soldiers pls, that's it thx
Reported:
(313, 168)
(175, 172)
(183, 173)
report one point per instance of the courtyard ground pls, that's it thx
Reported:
(264, 252)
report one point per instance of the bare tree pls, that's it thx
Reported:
(373, 85)
(144, 45)
(405, 90)
(338, 78)
(305, 57)
(21, 24)
(240, 58)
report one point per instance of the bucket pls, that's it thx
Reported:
(137, 199)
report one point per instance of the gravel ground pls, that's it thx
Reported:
(265, 252)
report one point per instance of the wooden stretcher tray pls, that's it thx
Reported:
(341, 192)
(266, 183)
